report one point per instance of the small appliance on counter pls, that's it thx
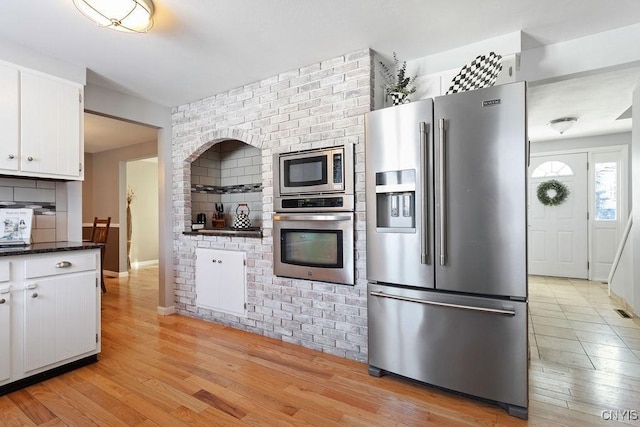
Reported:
(201, 220)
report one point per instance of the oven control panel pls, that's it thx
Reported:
(316, 203)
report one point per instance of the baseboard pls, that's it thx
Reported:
(117, 274)
(144, 263)
(166, 311)
(622, 302)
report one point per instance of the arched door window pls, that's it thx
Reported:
(551, 169)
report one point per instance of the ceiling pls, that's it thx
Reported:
(104, 133)
(199, 48)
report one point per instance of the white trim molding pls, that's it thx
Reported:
(166, 311)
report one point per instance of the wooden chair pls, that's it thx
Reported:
(99, 234)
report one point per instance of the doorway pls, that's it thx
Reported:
(558, 226)
(578, 238)
(109, 144)
(141, 245)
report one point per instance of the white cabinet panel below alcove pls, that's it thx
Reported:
(221, 281)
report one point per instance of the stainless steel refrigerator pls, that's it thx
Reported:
(447, 242)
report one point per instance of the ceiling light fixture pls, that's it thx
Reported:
(130, 16)
(562, 125)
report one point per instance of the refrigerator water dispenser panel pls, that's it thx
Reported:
(395, 201)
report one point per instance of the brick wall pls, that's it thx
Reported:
(320, 105)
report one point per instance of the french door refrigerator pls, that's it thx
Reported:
(446, 243)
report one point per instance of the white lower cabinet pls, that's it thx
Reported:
(59, 319)
(221, 281)
(53, 315)
(5, 321)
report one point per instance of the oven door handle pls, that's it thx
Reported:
(312, 217)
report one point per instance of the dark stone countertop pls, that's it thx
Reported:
(227, 231)
(41, 248)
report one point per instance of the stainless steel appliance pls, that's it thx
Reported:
(314, 180)
(314, 246)
(446, 243)
(313, 226)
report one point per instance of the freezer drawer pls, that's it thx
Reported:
(471, 345)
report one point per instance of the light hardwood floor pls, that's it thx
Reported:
(174, 370)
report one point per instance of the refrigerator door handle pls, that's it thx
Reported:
(444, 304)
(424, 180)
(443, 187)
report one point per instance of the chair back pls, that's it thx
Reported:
(100, 230)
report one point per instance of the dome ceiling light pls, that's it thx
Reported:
(130, 16)
(563, 124)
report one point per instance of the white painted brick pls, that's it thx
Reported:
(316, 106)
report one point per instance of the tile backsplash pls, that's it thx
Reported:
(46, 198)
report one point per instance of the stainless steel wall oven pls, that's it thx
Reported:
(314, 246)
(313, 223)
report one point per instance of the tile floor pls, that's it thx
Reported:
(573, 323)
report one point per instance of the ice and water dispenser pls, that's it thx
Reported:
(395, 201)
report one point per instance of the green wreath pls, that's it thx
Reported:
(561, 192)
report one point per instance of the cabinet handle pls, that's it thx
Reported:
(2, 301)
(11, 156)
(219, 261)
(34, 295)
(63, 264)
(30, 158)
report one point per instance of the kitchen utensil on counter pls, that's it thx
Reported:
(242, 219)
(218, 217)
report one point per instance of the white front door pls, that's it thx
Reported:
(558, 235)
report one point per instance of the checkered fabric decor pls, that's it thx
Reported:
(482, 72)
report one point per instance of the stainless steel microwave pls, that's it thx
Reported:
(314, 180)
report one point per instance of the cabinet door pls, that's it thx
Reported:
(220, 281)
(50, 125)
(5, 332)
(60, 319)
(9, 117)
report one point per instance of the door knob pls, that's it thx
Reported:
(11, 156)
(2, 301)
(30, 158)
(34, 295)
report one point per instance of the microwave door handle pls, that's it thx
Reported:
(424, 180)
(443, 199)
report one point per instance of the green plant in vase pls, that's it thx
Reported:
(397, 85)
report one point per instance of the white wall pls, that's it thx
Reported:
(565, 144)
(142, 178)
(635, 230)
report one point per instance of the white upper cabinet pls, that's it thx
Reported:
(42, 125)
(9, 118)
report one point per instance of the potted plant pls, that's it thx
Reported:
(397, 85)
